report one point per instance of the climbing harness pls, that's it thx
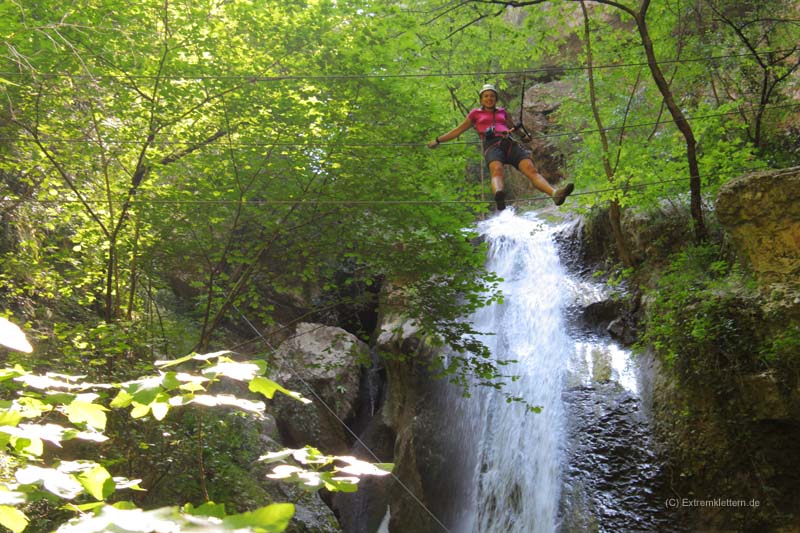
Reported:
(524, 135)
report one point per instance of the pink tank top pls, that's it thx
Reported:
(486, 118)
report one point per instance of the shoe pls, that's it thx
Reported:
(561, 194)
(500, 199)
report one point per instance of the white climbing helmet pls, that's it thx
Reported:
(487, 87)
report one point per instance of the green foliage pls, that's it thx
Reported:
(56, 408)
(698, 318)
(782, 352)
(313, 476)
(212, 161)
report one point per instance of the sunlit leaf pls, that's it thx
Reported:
(49, 432)
(97, 482)
(358, 467)
(13, 337)
(191, 357)
(53, 380)
(22, 441)
(91, 435)
(55, 481)
(234, 370)
(10, 417)
(267, 387)
(121, 400)
(280, 455)
(125, 483)
(11, 497)
(91, 413)
(159, 409)
(221, 400)
(310, 455)
(13, 518)
(140, 410)
(272, 518)
(174, 362)
(33, 407)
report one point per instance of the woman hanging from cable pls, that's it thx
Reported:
(494, 127)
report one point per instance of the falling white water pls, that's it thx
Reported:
(516, 480)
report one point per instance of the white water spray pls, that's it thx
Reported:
(517, 475)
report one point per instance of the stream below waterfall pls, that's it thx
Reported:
(586, 462)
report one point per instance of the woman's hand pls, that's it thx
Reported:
(434, 143)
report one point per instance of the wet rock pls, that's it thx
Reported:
(601, 313)
(614, 480)
(609, 316)
(623, 330)
(363, 511)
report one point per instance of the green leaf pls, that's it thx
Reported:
(170, 381)
(13, 518)
(146, 390)
(272, 518)
(267, 387)
(339, 484)
(90, 413)
(28, 445)
(10, 417)
(139, 410)
(97, 482)
(217, 510)
(121, 400)
(83, 507)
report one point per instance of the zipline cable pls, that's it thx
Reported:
(376, 144)
(298, 77)
(335, 416)
(314, 202)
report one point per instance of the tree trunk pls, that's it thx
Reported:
(615, 212)
(679, 118)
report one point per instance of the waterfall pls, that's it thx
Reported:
(516, 472)
(586, 461)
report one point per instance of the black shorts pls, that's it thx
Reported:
(505, 150)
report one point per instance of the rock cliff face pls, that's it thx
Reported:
(327, 359)
(729, 430)
(761, 212)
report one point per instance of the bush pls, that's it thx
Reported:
(703, 315)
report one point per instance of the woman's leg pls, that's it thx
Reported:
(498, 183)
(527, 167)
(498, 175)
